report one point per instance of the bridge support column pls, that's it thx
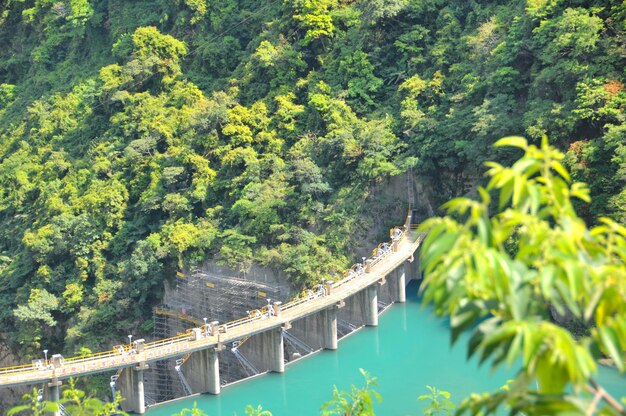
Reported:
(141, 396)
(132, 390)
(330, 328)
(202, 372)
(371, 305)
(402, 271)
(213, 372)
(265, 351)
(53, 390)
(277, 348)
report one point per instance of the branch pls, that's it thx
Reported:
(594, 403)
(599, 392)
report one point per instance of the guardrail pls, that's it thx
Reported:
(305, 299)
(397, 234)
(382, 251)
(19, 368)
(167, 341)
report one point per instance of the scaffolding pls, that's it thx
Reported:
(198, 298)
(204, 296)
(201, 295)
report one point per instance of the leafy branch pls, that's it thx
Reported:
(503, 273)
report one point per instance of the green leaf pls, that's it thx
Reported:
(440, 246)
(514, 141)
(17, 409)
(560, 170)
(611, 343)
(514, 349)
(463, 319)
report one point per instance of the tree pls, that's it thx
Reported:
(315, 17)
(75, 402)
(506, 273)
(33, 406)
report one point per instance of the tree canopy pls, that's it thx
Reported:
(508, 268)
(138, 138)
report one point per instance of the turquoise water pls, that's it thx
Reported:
(407, 351)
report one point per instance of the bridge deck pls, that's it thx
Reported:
(177, 346)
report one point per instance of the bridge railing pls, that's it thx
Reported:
(378, 254)
(239, 322)
(18, 368)
(397, 235)
(310, 295)
(92, 357)
(168, 341)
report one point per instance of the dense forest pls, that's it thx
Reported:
(138, 138)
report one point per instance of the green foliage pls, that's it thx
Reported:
(440, 404)
(151, 53)
(258, 411)
(76, 402)
(357, 74)
(506, 293)
(194, 411)
(138, 137)
(356, 402)
(7, 94)
(40, 303)
(314, 16)
(33, 407)
(375, 10)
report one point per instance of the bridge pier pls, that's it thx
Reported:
(53, 393)
(401, 273)
(132, 389)
(213, 370)
(266, 350)
(202, 371)
(371, 305)
(141, 396)
(277, 350)
(329, 328)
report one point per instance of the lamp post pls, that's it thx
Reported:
(45, 361)
(130, 344)
(206, 327)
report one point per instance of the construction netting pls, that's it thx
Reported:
(204, 296)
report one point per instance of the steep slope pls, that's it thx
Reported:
(140, 137)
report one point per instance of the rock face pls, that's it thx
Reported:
(387, 207)
(9, 397)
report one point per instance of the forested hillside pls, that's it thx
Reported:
(140, 137)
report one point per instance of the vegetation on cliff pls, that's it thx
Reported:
(138, 137)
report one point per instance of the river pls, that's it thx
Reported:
(407, 351)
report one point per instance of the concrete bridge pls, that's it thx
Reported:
(390, 264)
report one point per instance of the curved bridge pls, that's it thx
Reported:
(209, 338)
